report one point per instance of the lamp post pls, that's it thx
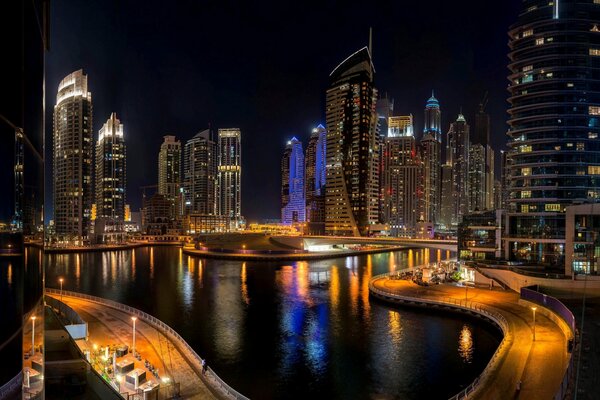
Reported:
(133, 346)
(533, 309)
(61, 280)
(33, 335)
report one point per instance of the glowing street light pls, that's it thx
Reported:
(33, 335)
(61, 280)
(133, 346)
(533, 309)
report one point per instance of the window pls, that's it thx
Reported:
(525, 208)
(527, 68)
(539, 41)
(526, 171)
(580, 146)
(594, 110)
(525, 149)
(594, 169)
(528, 32)
(552, 207)
(594, 52)
(526, 194)
(592, 135)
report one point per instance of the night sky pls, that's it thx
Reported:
(176, 67)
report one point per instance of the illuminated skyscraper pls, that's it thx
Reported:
(431, 153)
(72, 156)
(230, 176)
(294, 208)
(314, 180)
(554, 126)
(352, 190)
(169, 174)
(385, 109)
(447, 200)
(200, 172)
(111, 170)
(458, 158)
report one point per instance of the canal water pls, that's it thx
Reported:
(293, 330)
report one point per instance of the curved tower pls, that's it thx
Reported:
(554, 119)
(352, 201)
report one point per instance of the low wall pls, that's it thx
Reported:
(12, 388)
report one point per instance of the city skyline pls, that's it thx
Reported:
(407, 87)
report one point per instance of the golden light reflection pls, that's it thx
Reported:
(366, 277)
(411, 260)
(200, 273)
(77, 267)
(395, 327)
(334, 288)
(133, 264)
(354, 288)
(465, 344)
(302, 279)
(392, 262)
(151, 262)
(9, 274)
(447, 254)
(426, 256)
(439, 255)
(244, 286)
(113, 266)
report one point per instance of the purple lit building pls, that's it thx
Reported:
(292, 194)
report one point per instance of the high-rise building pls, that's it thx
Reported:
(458, 158)
(447, 200)
(477, 178)
(294, 210)
(169, 174)
(314, 180)
(285, 176)
(72, 156)
(200, 174)
(230, 176)
(484, 188)
(352, 190)
(554, 124)
(385, 109)
(402, 174)
(431, 154)
(111, 170)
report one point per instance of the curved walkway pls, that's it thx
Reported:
(539, 365)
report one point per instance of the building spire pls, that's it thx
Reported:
(371, 41)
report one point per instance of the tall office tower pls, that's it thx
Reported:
(477, 178)
(230, 176)
(352, 190)
(481, 133)
(554, 124)
(200, 174)
(481, 136)
(431, 149)
(111, 170)
(285, 176)
(293, 179)
(402, 178)
(447, 201)
(385, 109)
(314, 180)
(169, 174)
(73, 156)
(458, 156)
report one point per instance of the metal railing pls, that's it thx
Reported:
(210, 377)
(466, 305)
(12, 387)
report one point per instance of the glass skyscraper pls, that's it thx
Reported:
(431, 149)
(293, 205)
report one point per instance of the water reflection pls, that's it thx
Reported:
(465, 344)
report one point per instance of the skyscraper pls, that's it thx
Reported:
(431, 149)
(481, 136)
(458, 158)
(294, 210)
(169, 174)
(352, 190)
(477, 178)
(111, 170)
(314, 180)
(385, 109)
(402, 174)
(447, 200)
(200, 172)
(72, 156)
(230, 176)
(554, 124)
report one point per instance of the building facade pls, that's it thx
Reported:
(431, 154)
(315, 179)
(554, 124)
(293, 208)
(352, 190)
(72, 161)
(229, 175)
(170, 175)
(458, 158)
(200, 174)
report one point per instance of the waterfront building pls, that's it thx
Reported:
(402, 174)
(458, 158)
(169, 174)
(554, 124)
(314, 180)
(480, 235)
(72, 160)
(352, 190)
(200, 174)
(156, 215)
(229, 199)
(293, 208)
(431, 148)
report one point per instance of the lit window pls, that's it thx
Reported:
(552, 207)
(580, 146)
(594, 110)
(526, 171)
(539, 41)
(592, 135)
(594, 52)
(570, 85)
(525, 208)
(594, 169)
(569, 144)
(526, 149)
(557, 147)
(596, 1)
(549, 75)
(550, 39)
(526, 194)
(528, 32)
(527, 68)
(593, 194)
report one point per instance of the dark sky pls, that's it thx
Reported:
(173, 67)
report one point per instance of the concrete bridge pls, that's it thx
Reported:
(312, 242)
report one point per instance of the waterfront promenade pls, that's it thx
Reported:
(109, 326)
(539, 365)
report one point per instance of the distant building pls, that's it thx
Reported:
(72, 160)
(200, 175)
(458, 158)
(447, 200)
(431, 155)
(385, 110)
(477, 178)
(480, 236)
(481, 196)
(170, 175)
(314, 180)
(229, 198)
(156, 218)
(294, 210)
(352, 190)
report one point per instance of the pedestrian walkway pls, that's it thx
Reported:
(109, 326)
(539, 365)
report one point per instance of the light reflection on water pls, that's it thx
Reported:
(292, 330)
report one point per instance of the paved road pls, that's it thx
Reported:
(110, 326)
(540, 365)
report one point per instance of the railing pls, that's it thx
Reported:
(12, 387)
(210, 377)
(479, 308)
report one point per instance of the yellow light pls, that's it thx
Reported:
(33, 318)
(133, 319)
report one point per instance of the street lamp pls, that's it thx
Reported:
(61, 280)
(33, 335)
(533, 309)
(133, 346)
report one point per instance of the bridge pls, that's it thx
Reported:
(315, 242)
